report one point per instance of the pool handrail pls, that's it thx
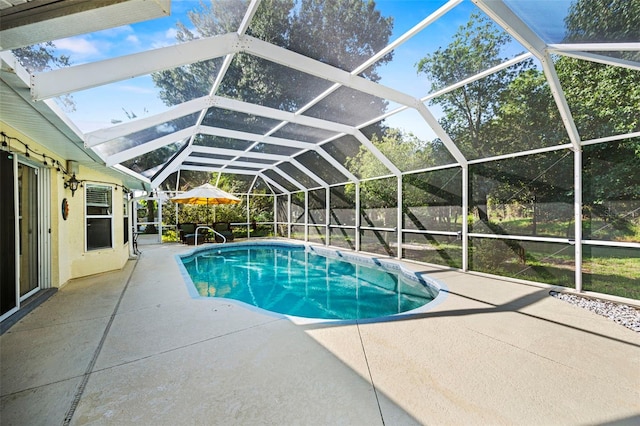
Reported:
(224, 239)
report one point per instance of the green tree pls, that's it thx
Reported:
(604, 101)
(615, 21)
(309, 29)
(408, 152)
(470, 110)
(342, 33)
(403, 149)
(358, 28)
(42, 57)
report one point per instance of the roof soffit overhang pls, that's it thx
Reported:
(39, 21)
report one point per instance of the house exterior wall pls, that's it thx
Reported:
(69, 257)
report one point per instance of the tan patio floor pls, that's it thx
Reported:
(132, 347)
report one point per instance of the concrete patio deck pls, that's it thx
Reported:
(131, 347)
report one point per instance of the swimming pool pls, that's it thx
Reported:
(306, 281)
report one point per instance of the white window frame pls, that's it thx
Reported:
(125, 215)
(109, 216)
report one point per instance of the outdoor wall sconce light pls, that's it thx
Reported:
(72, 184)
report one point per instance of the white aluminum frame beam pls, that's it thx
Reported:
(131, 173)
(146, 147)
(226, 63)
(612, 138)
(225, 163)
(251, 154)
(324, 154)
(319, 69)
(478, 76)
(513, 25)
(444, 136)
(376, 153)
(234, 134)
(309, 173)
(248, 16)
(253, 137)
(561, 101)
(287, 177)
(594, 47)
(91, 75)
(172, 166)
(101, 136)
(433, 17)
(271, 182)
(237, 172)
(236, 153)
(601, 59)
(86, 76)
(276, 114)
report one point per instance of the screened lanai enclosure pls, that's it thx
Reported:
(493, 136)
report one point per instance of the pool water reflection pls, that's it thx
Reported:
(294, 281)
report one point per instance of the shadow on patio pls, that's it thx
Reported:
(133, 347)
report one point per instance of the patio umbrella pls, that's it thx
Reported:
(206, 194)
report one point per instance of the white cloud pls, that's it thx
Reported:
(78, 45)
(133, 39)
(171, 33)
(166, 38)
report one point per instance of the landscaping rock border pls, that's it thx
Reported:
(625, 315)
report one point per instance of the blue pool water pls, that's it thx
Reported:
(295, 281)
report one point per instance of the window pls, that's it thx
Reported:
(125, 214)
(99, 216)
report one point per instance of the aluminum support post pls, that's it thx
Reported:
(358, 216)
(465, 216)
(399, 218)
(289, 215)
(275, 215)
(306, 215)
(577, 212)
(248, 218)
(159, 219)
(327, 231)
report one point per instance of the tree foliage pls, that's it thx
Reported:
(342, 33)
(42, 57)
(604, 101)
(470, 110)
(515, 111)
(591, 21)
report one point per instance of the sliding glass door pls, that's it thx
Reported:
(8, 293)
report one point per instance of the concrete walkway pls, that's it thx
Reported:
(131, 347)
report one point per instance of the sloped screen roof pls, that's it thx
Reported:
(300, 93)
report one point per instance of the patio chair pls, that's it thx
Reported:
(187, 231)
(223, 228)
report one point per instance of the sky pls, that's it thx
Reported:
(108, 105)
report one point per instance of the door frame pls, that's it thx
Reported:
(43, 182)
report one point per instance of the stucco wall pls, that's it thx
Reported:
(69, 259)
